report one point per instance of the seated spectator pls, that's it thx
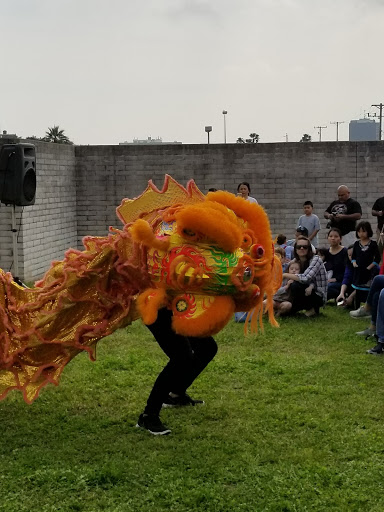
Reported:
(370, 307)
(300, 231)
(378, 350)
(312, 270)
(282, 300)
(281, 241)
(335, 262)
(346, 297)
(322, 252)
(365, 260)
(279, 251)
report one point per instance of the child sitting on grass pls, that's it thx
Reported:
(282, 300)
(365, 261)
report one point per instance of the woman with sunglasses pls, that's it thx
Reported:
(312, 270)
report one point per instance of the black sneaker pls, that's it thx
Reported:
(377, 351)
(153, 424)
(181, 401)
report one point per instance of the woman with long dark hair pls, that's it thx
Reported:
(244, 190)
(335, 261)
(312, 271)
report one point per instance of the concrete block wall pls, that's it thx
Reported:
(79, 187)
(282, 176)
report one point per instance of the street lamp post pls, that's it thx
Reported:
(225, 126)
(208, 129)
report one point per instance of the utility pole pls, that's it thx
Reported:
(380, 116)
(319, 132)
(225, 126)
(337, 127)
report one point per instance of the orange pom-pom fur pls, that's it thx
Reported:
(142, 233)
(211, 221)
(211, 322)
(149, 302)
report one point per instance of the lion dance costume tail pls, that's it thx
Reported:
(204, 257)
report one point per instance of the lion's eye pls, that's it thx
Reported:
(188, 232)
(258, 251)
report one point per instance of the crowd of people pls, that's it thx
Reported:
(346, 271)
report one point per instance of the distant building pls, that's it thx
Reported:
(149, 141)
(363, 129)
(6, 135)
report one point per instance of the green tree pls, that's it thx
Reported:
(33, 137)
(306, 138)
(254, 138)
(56, 135)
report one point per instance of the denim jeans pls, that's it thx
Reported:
(333, 290)
(380, 318)
(373, 295)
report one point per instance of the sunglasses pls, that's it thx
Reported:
(302, 246)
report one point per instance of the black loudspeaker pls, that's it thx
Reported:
(18, 174)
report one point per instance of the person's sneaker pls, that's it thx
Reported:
(377, 351)
(367, 332)
(360, 313)
(181, 401)
(153, 424)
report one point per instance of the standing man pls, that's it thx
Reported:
(378, 211)
(343, 214)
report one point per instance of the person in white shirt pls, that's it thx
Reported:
(244, 190)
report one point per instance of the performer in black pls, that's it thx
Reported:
(187, 359)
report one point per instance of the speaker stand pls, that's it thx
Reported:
(14, 240)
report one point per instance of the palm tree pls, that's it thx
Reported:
(56, 135)
(306, 138)
(254, 138)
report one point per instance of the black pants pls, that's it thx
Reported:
(187, 359)
(301, 301)
(361, 296)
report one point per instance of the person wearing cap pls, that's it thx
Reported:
(300, 231)
(343, 214)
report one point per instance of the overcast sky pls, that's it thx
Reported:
(113, 70)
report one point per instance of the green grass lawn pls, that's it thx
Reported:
(293, 421)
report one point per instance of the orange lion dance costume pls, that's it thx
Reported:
(204, 257)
